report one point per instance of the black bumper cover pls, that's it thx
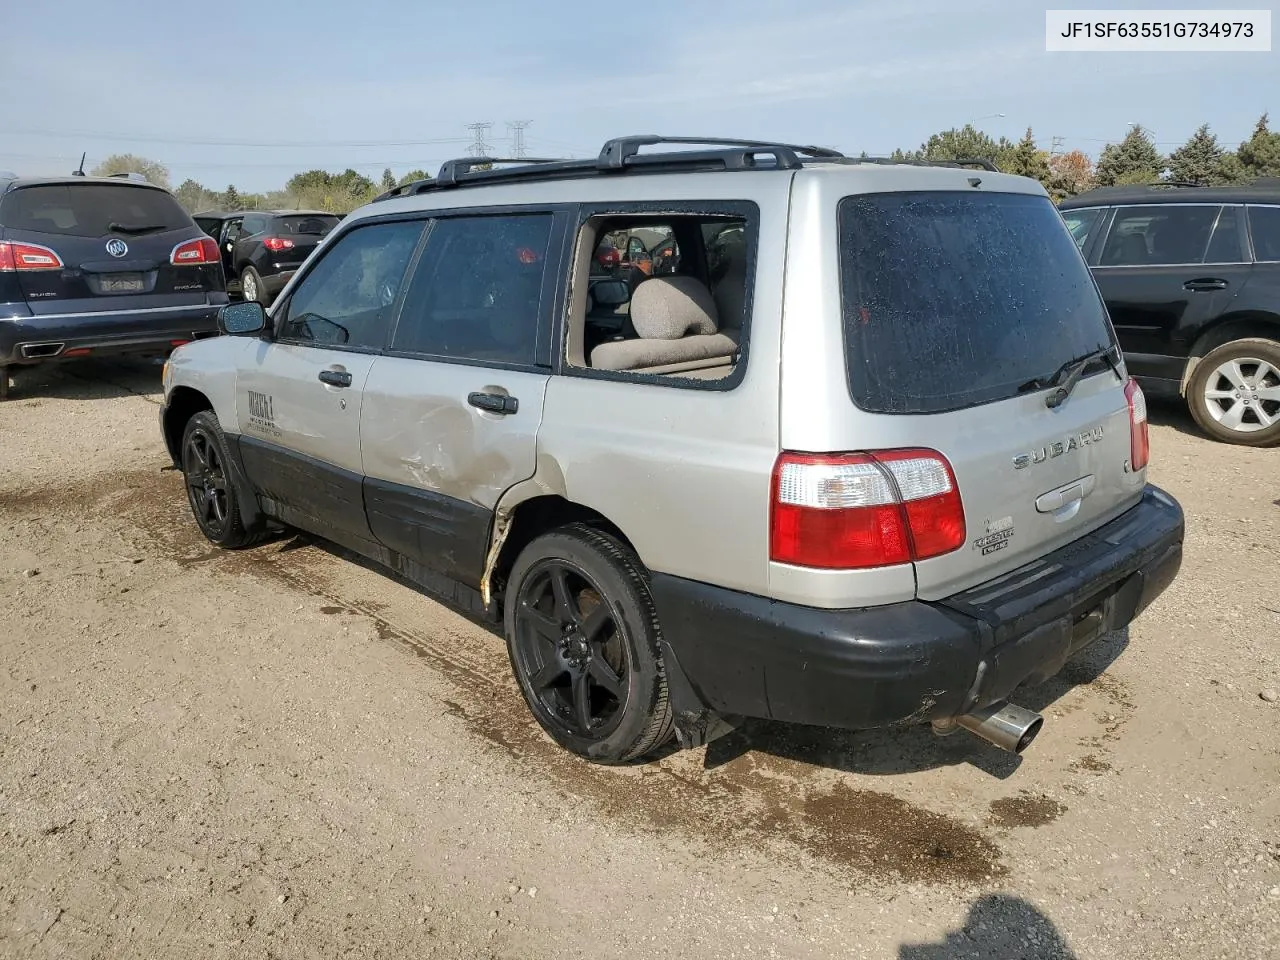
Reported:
(749, 656)
(108, 332)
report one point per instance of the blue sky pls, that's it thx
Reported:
(251, 92)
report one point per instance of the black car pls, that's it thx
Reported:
(262, 249)
(100, 265)
(1191, 277)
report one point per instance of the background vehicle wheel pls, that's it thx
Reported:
(4, 382)
(1234, 393)
(251, 286)
(583, 636)
(212, 495)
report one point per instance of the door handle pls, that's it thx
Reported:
(1208, 284)
(335, 378)
(494, 402)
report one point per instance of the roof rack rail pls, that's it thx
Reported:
(984, 164)
(616, 152)
(617, 156)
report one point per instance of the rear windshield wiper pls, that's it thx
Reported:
(1068, 375)
(136, 228)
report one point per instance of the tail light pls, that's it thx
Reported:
(24, 257)
(1139, 437)
(276, 244)
(860, 510)
(195, 252)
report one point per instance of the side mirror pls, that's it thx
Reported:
(242, 319)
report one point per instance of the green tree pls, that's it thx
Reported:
(1259, 156)
(1199, 160)
(388, 180)
(230, 199)
(155, 171)
(1134, 159)
(194, 197)
(966, 143)
(1027, 160)
(413, 176)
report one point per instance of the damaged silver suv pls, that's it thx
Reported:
(859, 449)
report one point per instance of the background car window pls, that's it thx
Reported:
(477, 291)
(305, 225)
(1225, 245)
(1081, 224)
(252, 226)
(346, 299)
(1159, 234)
(1264, 227)
(211, 227)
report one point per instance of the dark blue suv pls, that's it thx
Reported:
(100, 265)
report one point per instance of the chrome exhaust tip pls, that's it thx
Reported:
(32, 351)
(1004, 725)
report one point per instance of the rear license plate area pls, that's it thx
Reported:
(121, 283)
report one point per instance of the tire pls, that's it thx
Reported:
(579, 619)
(1234, 393)
(4, 382)
(210, 493)
(249, 280)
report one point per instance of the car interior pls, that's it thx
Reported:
(681, 315)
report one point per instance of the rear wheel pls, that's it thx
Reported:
(583, 638)
(210, 492)
(1234, 393)
(251, 286)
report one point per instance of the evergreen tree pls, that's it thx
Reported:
(1026, 160)
(1199, 160)
(1260, 155)
(388, 179)
(1134, 159)
(413, 176)
(231, 199)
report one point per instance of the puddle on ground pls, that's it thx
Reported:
(1025, 810)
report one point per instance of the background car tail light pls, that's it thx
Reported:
(1139, 436)
(860, 510)
(195, 252)
(25, 257)
(276, 244)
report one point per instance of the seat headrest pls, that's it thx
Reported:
(668, 308)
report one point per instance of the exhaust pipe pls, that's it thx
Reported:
(34, 350)
(1004, 724)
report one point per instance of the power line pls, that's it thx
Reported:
(202, 142)
(517, 128)
(479, 146)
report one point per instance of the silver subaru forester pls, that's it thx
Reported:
(720, 430)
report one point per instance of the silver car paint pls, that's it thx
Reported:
(685, 473)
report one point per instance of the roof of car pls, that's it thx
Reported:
(1262, 190)
(229, 214)
(16, 182)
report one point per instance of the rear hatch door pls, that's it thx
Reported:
(962, 313)
(114, 241)
(302, 233)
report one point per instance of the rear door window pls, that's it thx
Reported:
(91, 210)
(305, 225)
(1081, 223)
(1264, 227)
(954, 299)
(1159, 235)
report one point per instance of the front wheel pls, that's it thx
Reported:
(583, 638)
(1234, 393)
(210, 492)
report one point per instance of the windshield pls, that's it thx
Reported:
(91, 209)
(951, 299)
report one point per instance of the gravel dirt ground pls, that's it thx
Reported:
(284, 753)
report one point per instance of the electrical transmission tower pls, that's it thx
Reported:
(479, 146)
(517, 128)
(1057, 146)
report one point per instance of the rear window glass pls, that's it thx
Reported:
(953, 299)
(308, 226)
(91, 209)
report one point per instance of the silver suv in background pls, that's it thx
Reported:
(867, 456)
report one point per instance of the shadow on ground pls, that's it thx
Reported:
(998, 927)
(87, 380)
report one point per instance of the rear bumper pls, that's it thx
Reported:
(745, 655)
(36, 339)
